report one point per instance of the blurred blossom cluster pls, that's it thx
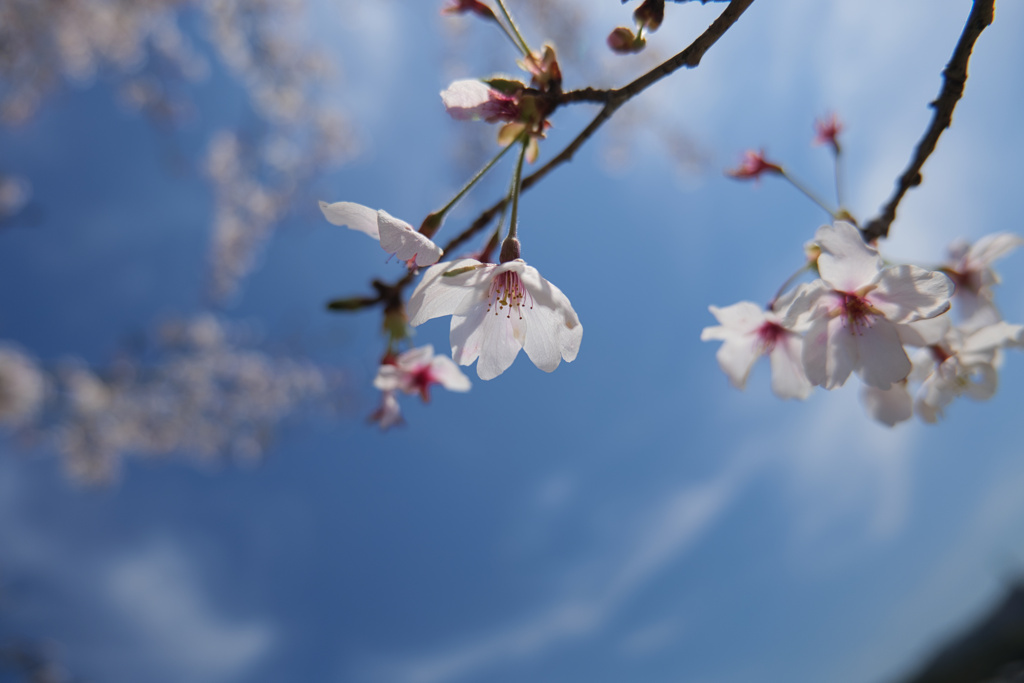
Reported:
(45, 42)
(15, 192)
(142, 48)
(22, 388)
(256, 175)
(201, 390)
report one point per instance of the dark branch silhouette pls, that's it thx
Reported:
(954, 78)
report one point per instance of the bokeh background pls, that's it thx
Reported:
(202, 498)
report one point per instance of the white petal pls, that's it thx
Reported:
(495, 338)
(744, 316)
(798, 309)
(992, 247)
(908, 293)
(564, 323)
(924, 332)
(736, 356)
(412, 358)
(398, 237)
(388, 378)
(994, 336)
(882, 359)
(448, 374)
(542, 336)
(846, 263)
(463, 99)
(352, 215)
(888, 406)
(830, 353)
(438, 294)
(788, 378)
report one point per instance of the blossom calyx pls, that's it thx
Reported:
(510, 250)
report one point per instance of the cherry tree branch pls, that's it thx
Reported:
(612, 99)
(954, 78)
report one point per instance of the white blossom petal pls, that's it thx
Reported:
(846, 263)
(448, 375)
(889, 406)
(399, 238)
(990, 248)
(493, 337)
(788, 377)
(924, 332)
(829, 353)
(352, 215)
(463, 99)
(439, 294)
(882, 358)
(909, 293)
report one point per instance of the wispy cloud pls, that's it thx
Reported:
(656, 539)
(157, 594)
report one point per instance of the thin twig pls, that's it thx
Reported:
(954, 78)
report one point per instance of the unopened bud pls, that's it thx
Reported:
(510, 250)
(650, 14)
(624, 41)
(474, 6)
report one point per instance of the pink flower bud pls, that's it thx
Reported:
(753, 165)
(474, 6)
(623, 41)
(827, 129)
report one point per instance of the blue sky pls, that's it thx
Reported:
(629, 517)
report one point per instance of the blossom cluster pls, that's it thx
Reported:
(861, 316)
(205, 390)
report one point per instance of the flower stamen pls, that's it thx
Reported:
(507, 289)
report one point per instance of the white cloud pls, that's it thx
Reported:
(158, 596)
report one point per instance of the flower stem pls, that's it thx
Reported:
(810, 195)
(520, 42)
(839, 185)
(474, 180)
(517, 184)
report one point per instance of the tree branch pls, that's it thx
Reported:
(954, 78)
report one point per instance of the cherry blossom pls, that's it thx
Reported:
(470, 99)
(855, 308)
(971, 270)
(747, 333)
(395, 235)
(496, 311)
(416, 370)
(964, 363)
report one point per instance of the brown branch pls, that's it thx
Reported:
(612, 99)
(954, 78)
